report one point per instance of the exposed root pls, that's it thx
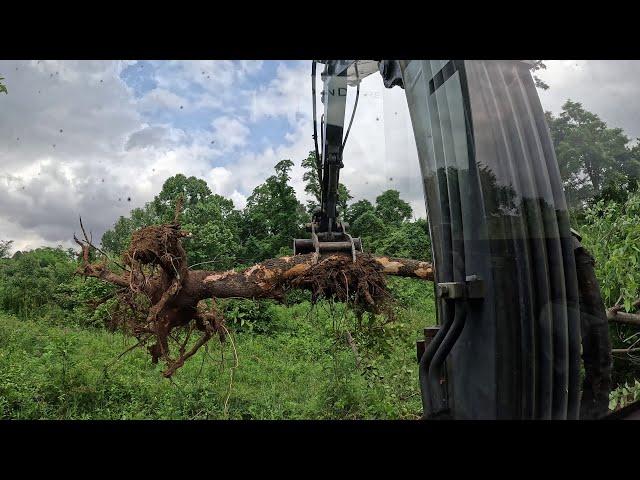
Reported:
(158, 245)
(360, 284)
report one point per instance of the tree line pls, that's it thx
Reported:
(225, 236)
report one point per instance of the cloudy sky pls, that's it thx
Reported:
(98, 138)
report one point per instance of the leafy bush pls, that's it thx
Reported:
(249, 315)
(624, 395)
(34, 281)
(611, 233)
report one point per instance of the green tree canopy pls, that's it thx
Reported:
(357, 209)
(392, 209)
(31, 280)
(409, 240)
(386, 228)
(611, 233)
(593, 158)
(211, 218)
(215, 225)
(312, 187)
(369, 226)
(273, 216)
(193, 191)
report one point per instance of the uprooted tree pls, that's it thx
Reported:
(157, 292)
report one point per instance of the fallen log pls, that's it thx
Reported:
(616, 315)
(270, 278)
(155, 270)
(623, 317)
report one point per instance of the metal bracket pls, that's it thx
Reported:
(350, 239)
(421, 345)
(471, 288)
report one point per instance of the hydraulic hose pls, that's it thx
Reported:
(315, 121)
(443, 350)
(425, 362)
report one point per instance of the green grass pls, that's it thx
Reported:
(300, 368)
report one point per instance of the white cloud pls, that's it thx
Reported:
(609, 88)
(230, 133)
(162, 98)
(76, 143)
(146, 137)
(287, 94)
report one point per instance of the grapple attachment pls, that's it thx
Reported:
(326, 242)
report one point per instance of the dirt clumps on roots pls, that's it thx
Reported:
(157, 244)
(170, 307)
(361, 284)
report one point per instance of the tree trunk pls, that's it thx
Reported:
(268, 279)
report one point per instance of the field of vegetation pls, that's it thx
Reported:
(293, 362)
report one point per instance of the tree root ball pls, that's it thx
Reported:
(360, 284)
(156, 244)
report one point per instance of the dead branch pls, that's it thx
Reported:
(625, 350)
(614, 315)
(97, 270)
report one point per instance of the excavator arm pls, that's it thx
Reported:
(328, 232)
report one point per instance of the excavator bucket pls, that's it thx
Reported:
(508, 343)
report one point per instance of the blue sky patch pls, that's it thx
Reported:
(192, 118)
